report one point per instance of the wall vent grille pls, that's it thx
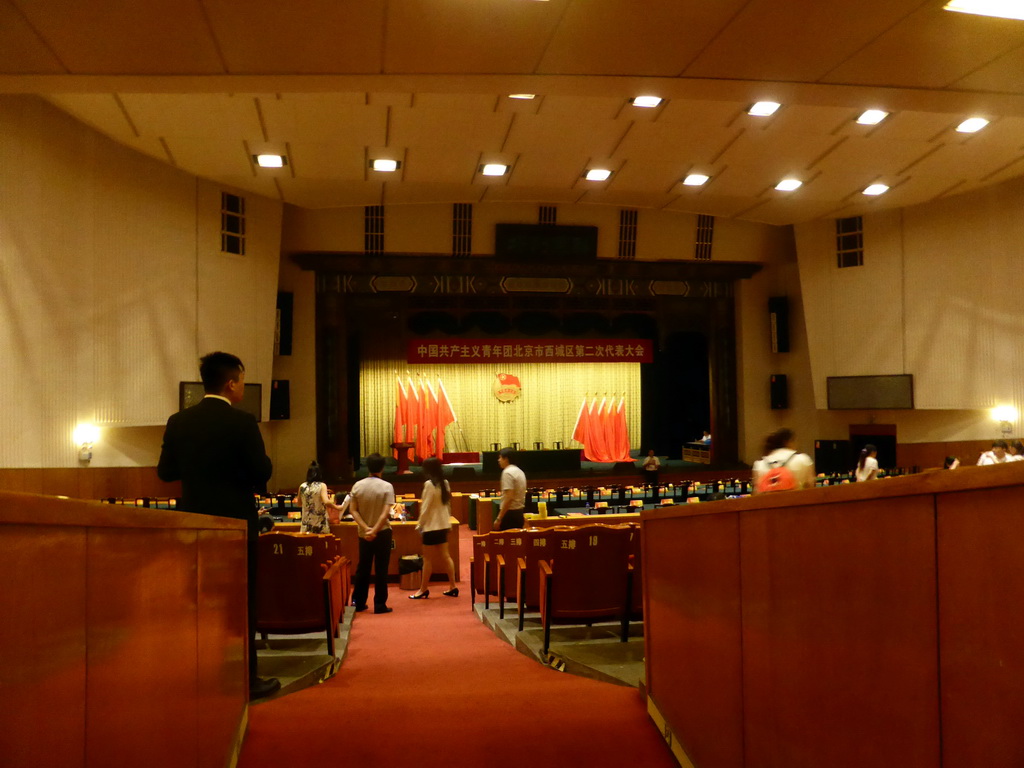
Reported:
(705, 237)
(462, 229)
(232, 223)
(373, 231)
(627, 233)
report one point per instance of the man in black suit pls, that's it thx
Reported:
(217, 452)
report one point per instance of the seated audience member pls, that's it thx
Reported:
(782, 467)
(952, 462)
(996, 456)
(867, 464)
(1016, 451)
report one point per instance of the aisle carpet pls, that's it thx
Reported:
(429, 685)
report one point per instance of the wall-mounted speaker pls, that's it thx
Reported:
(779, 392)
(778, 318)
(280, 401)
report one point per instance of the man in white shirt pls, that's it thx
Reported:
(996, 456)
(372, 500)
(513, 492)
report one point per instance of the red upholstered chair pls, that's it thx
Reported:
(586, 579)
(296, 586)
(503, 554)
(538, 546)
(480, 581)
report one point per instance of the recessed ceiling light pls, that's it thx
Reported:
(493, 169)
(872, 117)
(522, 95)
(646, 101)
(696, 180)
(876, 189)
(788, 185)
(270, 161)
(598, 174)
(1004, 9)
(385, 166)
(764, 108)
(972, 125)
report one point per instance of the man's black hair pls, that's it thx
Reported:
(216, 369)
(375, 463)
(509, 454)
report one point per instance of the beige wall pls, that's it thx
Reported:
(939, 297)
(111, 285)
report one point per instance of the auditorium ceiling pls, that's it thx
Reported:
(332, 84)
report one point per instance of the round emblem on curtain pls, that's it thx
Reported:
(506, 387)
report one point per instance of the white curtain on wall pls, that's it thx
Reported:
(545, 410)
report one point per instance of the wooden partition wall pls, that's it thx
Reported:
(876, 624)
(124, 638)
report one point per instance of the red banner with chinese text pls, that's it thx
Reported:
(456, 351)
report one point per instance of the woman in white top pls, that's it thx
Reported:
(434, 524)
(867, 464)
(782, 467)
(315, 501)
(1015, 451)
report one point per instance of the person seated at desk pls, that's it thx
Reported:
(706, 439)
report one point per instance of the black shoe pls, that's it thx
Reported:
(451, 592)
(383, 609)
(360, 607)
(262, 687)
(421, 596)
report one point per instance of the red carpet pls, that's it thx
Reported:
(429, 685)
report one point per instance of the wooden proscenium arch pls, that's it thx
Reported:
(355, 288)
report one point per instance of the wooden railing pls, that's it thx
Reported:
(124, 639)
(875, 624)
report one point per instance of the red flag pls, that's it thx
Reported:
(424, 435)
(580, 433)
(597, 448)
(401, 415)
(620, 429)
(444, 416)
(412, 415)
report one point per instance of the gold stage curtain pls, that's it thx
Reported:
(545, 411)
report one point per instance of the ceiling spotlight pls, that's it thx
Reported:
(972, 125)
(270, 161)
(788, 185)
(872, 117)
(696, 180)
(522, 95)
(493, 169)
(645, 101)
(598, 174)
(385, 166)
(876, 189)
(1004, 9)
(763, 108)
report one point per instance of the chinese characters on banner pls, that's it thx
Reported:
(456, 351)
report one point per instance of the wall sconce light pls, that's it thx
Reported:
(84, 436)
(1005, 415)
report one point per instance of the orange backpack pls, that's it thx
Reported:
(779, 477)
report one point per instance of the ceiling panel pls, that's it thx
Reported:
(308, 37)
(905, 126)
(417, 192)
(336, 118)
(551, 167)
(122, 36)
(1003, 74)
(100, 110)
(711, 114)
(23, 51)
(468, 35)
(657, 37)
(795, 41)
(326, 161)
(627, 198)
(515, 193)
(575, 136)
(930, 49)
(214, 157)
(673, 145)
(777, 154)
(213, 115)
